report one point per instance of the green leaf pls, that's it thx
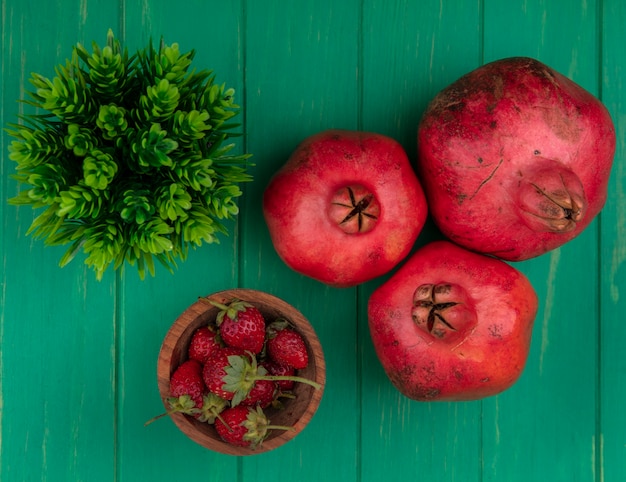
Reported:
(152, 148)
(99, 169)
(195, 171)
(102, 243)
(81, 201)
(136, 206)
(46, 224)
(33, 147)
(173, 202)
(47, 181)
(66, 94)
(112, 120)
(152, 237)
(160, 101)
(79, 139)
(199, 227)
(190, 127)
(110, 68)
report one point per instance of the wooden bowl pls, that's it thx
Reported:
(296, 412)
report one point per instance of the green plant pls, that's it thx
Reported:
(128, 161)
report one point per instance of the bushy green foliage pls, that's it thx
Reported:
(128, 161)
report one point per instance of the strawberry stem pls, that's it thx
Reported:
(280, 427)
(231, 310)
(154, 419)
(217, 304)
(169, 412)
(183, 404)
(277, 378)
(221, 419)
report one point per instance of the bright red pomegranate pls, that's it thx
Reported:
(452, 324)
(345, 208)
(515, 159)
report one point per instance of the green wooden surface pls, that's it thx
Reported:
(78, 356)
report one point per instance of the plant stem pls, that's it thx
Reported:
(279, 427)
(153, 419)
(276, 378)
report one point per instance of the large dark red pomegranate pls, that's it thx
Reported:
(515, 158)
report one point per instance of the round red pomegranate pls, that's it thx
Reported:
(345, 208)
(452, 324)
(515, 158)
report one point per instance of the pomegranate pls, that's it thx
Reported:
(452, 324)
(515, 159)
(345, 208)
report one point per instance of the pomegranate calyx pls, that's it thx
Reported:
(442, 310)
(553, 200)
(354, 209)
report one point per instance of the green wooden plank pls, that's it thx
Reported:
(301, 78)
(86, 351)
(410, 51)
(544, 428)
(613, 257)
(148, 308)
(56, 325)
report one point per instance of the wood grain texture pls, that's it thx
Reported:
(612, 310)
(78, 358)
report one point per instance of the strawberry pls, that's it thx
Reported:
(214, 371)
(203, 342)
(274, 368)
(187, 390)
(286, 346)
(262, 393)
(241, 325)
(187, 380)
(231, 374)
(232, 428)
(245, 426)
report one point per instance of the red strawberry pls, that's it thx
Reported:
(214, 371)
(241, 325)
(231, 374)
(286, 346)
(187, 391)
(274, 368)
(262, 394)
(204, 341)
(245, 426)
(187, 380)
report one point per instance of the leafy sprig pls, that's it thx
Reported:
(129, 161)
